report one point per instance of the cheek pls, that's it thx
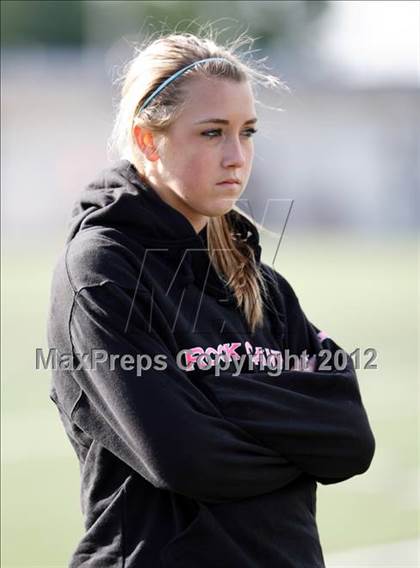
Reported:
(196, 167)
(250, 153)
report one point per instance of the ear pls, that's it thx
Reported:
(146, 143)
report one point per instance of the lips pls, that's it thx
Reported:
(230, 181)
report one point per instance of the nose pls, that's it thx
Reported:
(234, 154)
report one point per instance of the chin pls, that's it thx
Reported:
(226, 204)
(215, 206)
(222, 209)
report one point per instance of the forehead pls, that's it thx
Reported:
(218, 97)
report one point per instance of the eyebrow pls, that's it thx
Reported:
(223, 121)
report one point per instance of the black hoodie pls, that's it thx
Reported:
(183, 465)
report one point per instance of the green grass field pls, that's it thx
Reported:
(361, 291)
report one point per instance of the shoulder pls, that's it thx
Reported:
(278, 282)
(94, 257)
(281, 297)
(298, 332)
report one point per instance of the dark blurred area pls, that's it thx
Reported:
(77, 23)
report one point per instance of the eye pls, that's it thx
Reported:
(250, 132)
(213, 133)
(209, 133)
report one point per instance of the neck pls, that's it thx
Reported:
(197, 220)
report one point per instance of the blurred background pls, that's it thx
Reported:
(340, 164)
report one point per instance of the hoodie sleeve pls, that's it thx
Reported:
(145, 410)
(313, 416)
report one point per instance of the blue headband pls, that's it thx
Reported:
(174, 76)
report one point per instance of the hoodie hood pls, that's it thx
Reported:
(121, 199)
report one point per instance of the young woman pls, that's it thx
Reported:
(194, 450)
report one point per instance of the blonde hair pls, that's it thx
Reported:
(154, 62)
